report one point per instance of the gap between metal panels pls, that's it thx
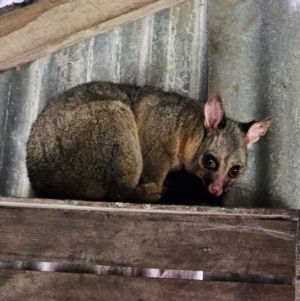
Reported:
(145, 272)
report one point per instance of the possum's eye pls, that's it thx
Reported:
(234, 171)
(210, 162)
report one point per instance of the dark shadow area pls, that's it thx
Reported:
(183, 188)
(15, 6)
(180, 188)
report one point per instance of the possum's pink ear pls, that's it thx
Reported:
(213, 111)
(257, 130)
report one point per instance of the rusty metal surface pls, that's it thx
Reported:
(253, 61)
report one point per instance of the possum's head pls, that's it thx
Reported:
(221, 158)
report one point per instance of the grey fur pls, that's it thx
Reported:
(111, 141)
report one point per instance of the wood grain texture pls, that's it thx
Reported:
(263, 213)
(36, 286)
(297, 281)
(51, 25)
(209, 243)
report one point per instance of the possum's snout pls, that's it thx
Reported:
(216, 186)
(216, 190)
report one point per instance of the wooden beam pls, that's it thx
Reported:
(257, 213)
(210, 243)
(244, 254)
(50, 25)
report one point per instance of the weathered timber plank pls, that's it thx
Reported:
(297, 281)
(51, 25)
(210, 243)
(36, 286)
(263, 213)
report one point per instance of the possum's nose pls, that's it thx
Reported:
(216, 190)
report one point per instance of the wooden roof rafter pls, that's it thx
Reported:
(51, 25)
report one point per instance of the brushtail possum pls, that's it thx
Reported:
(118, 142)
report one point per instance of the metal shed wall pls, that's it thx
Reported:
(253, 62)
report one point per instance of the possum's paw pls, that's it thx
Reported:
(148, 193)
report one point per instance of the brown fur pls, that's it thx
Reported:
(118, 142)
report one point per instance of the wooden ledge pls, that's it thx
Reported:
(50, 248)
(286, 214)
(51, 25)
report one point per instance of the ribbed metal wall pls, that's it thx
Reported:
(253, 61)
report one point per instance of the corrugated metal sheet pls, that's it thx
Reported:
(254, 59)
